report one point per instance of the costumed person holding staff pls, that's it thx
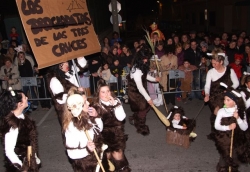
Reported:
(245, 93)
(139, 99)
(213, 90)
(60, 79)
(18, 132)
(110, 109)
(76, 120)
(230, 124)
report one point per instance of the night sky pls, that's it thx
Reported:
(143, 7)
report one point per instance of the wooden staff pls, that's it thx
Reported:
(161, 116)
(29, 152)
(96, 155)
(231, 148)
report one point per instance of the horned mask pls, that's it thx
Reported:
(75, 104)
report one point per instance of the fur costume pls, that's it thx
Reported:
(113, 135)
(89, 162)
(138, 104)
(240, 148)
(66, 85)
(217, 97)
(26, 127)
(189, 123)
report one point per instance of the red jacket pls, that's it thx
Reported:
(237, 69)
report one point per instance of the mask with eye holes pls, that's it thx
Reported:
(75, 104)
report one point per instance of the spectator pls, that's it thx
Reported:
(105, 73)
(186, 83)
(2, 50)
(11, 53)
(116, 71)
(246, 59)
(127, 58)
(105, 56)
(26, 70)
(176, 39)
(118, 45)
(136, 45)
(27, 56)
(113, 54)
(169, 62)
(231, 51)
(14, 36)
(106, 43)
(159, 50)
(216, 44)
(180, 54)
(115, 38)
(247, 40)
(224, 39)
(240, 46)
(10, 75)
(236, 66)
(193, 54)
(234, 37)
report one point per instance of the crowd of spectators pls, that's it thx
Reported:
(185, 51)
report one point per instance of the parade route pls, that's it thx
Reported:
(145, 153)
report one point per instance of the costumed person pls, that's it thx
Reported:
(213, 90)
(110, 109)
(245, 93)
(180, 123)
(231, 122)
(18, 132)
(236, 66)
(79, 119)
(60, 78)
(154, 28)
(139, 99)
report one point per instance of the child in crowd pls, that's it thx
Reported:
(105, 72)
(236, 66)
(116, 71)
(186, 83)
(231, 122)
(180, 121)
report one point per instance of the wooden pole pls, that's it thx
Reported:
(29, 153)
(96, 155)
(231, 149)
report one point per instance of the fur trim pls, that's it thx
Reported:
(27, 136)
(113, 130)
(136, 100)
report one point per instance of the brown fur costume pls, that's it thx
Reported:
(189, 123)
(26, 128)
(240, 148)
(88, 163)
(138, 104)
(217, 97)
(66, 85)
(113, 135)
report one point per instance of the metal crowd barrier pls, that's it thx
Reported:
(173, 74)
(35, 83)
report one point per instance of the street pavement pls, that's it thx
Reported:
(145, 153)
